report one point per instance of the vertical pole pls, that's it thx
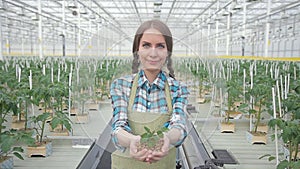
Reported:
(8, 45)
(267, 29)
(1, 55)
(64, 29)
(228, 36)
(208, 40)
(274, 116)
(63, 44)
(201, 40)
(70, 91)
(53, 45)
(98, 40)
(90, 38)
(217, 30)
(244, 85)
(278, 98)
(79, 34)
(244, 27)
(208, 35)
(22, 40)
(293, 37)
(244, 17)
(31, 43)
(40, 38)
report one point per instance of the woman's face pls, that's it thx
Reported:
(152, 50)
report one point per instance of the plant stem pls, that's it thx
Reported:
(1, 109)
(296, 148)
(258, 116)
(42, 132)
(26, 112)
(290, 150)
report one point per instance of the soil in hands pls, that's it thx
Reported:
(152, 140)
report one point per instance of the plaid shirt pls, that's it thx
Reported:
(150, 98)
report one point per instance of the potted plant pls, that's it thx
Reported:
(259, 98)
(41, 93)
(200, 72)
(59, 118)
(233, 95)
(10, 143)
(289, 129)
(42, 145)
(81, 92)
(9, 138)
(23, 99)
(104, 76)
(20, 89)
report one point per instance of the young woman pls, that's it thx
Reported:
(149, 97)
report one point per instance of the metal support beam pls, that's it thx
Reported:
(266, 45)
(1, 55)
(40, 31)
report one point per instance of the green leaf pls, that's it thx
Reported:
(266, 155)
(271, 158)
(67, 124)
(144, 135)
(43, 117)
(296, 164)
(160, 134)
(147, 129)
(7, 147)
(55, 122)
(18, 155)
(18, 149)
(283, 165)
(164, 129)
(144, 140)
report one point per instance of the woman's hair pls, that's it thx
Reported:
(165, 31)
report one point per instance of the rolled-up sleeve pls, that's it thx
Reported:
(179, 118)
(119, 104)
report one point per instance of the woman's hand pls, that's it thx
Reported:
(134, 153)
(154, 156)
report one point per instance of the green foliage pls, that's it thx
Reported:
(201, 73)
(261, 93)
(61, 118)
(289, 127)
(39, 127)
(11, 93)
(234, 92)
(10, 139)
(151, 138)
(270, 157)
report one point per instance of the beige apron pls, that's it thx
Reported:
(137, 121)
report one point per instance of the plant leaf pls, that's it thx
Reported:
(266, 155)
(160, 134)
(144, 135)
(18, 155)
(18, 149)
(283, 164)
(271, 158)
(147, 129)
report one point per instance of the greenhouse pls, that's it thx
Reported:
(185, 84)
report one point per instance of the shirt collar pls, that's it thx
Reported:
(159, 81)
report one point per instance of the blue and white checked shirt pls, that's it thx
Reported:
(150, 98)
